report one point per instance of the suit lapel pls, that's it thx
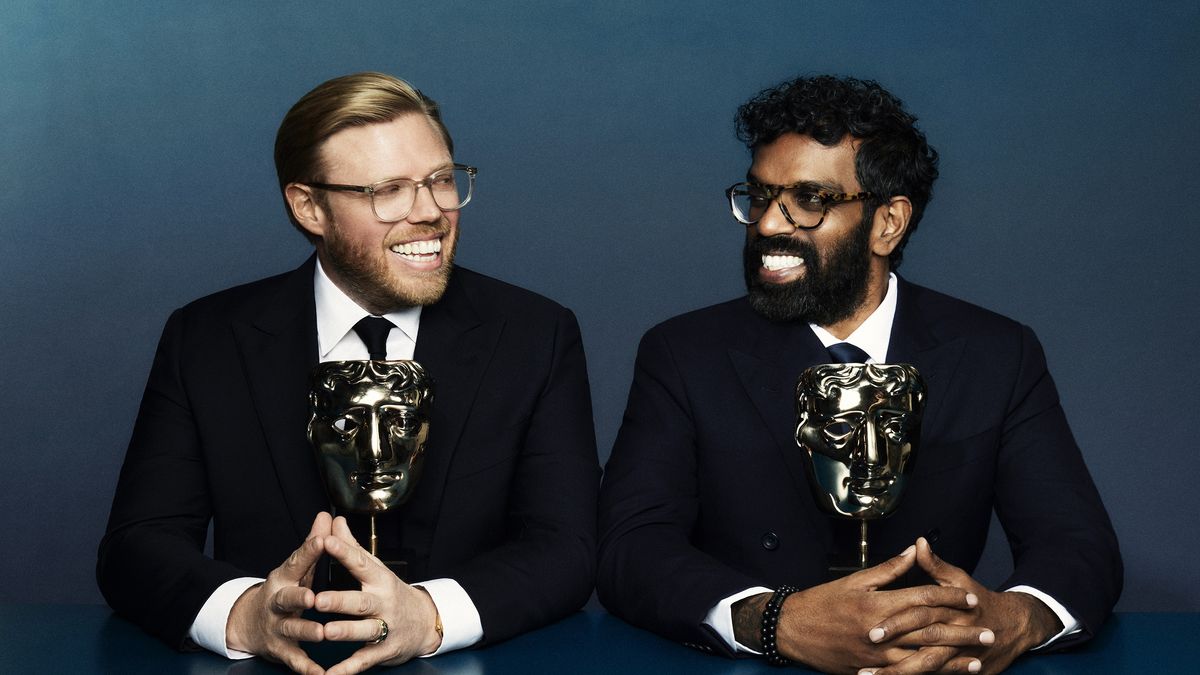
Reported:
(768, 359)
(454, 344)
(913, 342)
(278, 344)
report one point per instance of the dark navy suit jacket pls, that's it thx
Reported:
(506, 505)
(705, 493)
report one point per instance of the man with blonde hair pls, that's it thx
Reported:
(498, 536)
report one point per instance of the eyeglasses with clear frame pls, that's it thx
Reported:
(393, 199)
(801, 205)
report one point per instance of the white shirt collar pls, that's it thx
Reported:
(873, 335)
(337, 314)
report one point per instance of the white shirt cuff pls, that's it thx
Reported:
(720, 618)
(208, 628)
(461, 626)
(1070, 624)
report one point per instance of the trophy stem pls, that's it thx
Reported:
(375, 539)
(862, 543)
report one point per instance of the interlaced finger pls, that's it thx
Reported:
(915, 619)
(356, 603)
(925, 660)
(361, 630)
(291, 599)
(296, 628)
(947, 635)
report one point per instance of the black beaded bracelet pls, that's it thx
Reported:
(770, 623)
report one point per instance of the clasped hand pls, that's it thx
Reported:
(955, 626)
(266, 620)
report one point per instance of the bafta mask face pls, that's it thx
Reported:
(369, 423)
(859, 425)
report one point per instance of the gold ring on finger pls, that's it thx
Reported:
(383, 632)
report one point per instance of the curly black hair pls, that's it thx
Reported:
(893, 159)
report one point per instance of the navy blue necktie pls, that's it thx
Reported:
(844, 352)
(845, 534)
(373, 330)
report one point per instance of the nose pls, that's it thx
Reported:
(773, 222)
(380, 450)
(424, 208)
(866, 446)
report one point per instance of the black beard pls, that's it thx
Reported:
(832, 288)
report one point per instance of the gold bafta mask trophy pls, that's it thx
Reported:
(369, 424)
(859, 425)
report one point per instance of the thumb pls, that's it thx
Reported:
(341, 530)
(885, 572)
(941, 571)
(320, 526)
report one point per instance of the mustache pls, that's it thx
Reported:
(442, 229)
(782, 244)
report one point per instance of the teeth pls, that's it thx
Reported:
(781, 262)
(419, 248)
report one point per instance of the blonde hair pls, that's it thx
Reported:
(347, 101)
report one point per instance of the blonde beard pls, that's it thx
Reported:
(369, 280)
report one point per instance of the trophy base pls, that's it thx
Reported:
(340, 578)
(837, 570)
(851, 551)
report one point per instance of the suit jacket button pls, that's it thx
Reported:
(770, 541)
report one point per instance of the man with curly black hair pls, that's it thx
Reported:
(710, 532)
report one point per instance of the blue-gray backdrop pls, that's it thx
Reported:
(136, 175)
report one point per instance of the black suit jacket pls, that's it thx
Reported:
(506, 505)
(705, 493)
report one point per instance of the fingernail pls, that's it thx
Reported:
(907, 552)
(866, 671)
(975, 666)
(877, 634)
(987, 637)
(972, 600)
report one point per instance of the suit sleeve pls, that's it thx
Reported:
(151, 566)
(1061, 538)
(650, 573)
(545, 567)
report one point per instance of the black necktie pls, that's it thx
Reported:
(373, 330)
(374, 333)
(844, 352)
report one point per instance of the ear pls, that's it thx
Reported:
(889, 226)
(305, 209)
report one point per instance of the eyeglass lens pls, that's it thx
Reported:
(451, 190)
(750, 204)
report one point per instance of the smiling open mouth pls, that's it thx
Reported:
(419, 251)
(774, 263)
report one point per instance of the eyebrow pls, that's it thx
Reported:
(811, 185)
(443, 167)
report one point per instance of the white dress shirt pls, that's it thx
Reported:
(872, 336)
(337, 341)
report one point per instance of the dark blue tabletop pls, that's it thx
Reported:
(89, 639)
